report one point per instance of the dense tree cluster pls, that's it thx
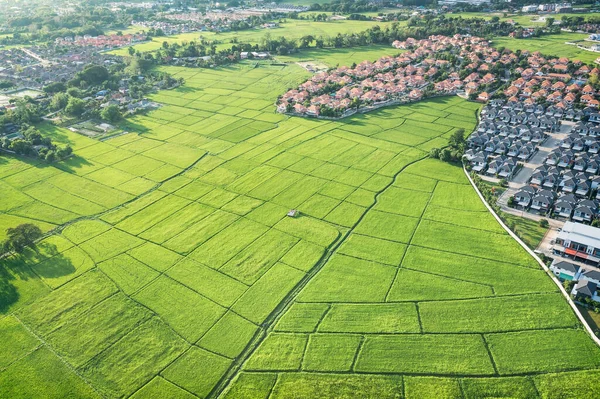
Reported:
(35, 144)
(455, 149)
(21, 237)
(350, 6)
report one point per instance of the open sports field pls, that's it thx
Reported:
(174, 272)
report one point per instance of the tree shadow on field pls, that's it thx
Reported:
(73, 163)
(185, 89)
(45, 259)
(54, 267)
(8, 292)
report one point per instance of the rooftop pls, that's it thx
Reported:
(580, 233)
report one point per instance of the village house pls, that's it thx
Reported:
(565, 271)
(580, 241)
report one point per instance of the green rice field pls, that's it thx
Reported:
(172, 270)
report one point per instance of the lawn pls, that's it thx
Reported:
(176, 265)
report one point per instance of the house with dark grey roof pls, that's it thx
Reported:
(578, 144)
(479, 162)
(507, 169)
(595, 117)
(594, 148)
(565, 205)
(586, 289)
(502, 147)
(495, 165)
(524, 196)
(585, 211)
(538, 175)
(568, 184)
(514, 149)
(592, 166)
(565, 270)
(591, 275)
(553, 158)
(537, 136)
(595, 180)
(526, 152)
(565, 159)
(542, 201)
(583, 188)
(580, 163)
(552, 179)
(567, 143)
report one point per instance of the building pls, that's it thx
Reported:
(565, 270)
(586, 289)
(580, 241)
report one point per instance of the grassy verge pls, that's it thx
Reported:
(528, 230)
(592, 318)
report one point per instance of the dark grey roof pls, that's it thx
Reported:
(568, 266)
(585, 287)
(592, 274)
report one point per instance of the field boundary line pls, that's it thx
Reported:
(44, 344)
(424, 374)
(361, 344)
(489, 352)
(539, 261)
(58, 229)
(419, 318)
(286, 302)
(387, 294)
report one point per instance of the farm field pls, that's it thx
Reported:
(173, 270)
(340, 56)
(291, 29)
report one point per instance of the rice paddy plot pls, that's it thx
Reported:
(185, 267)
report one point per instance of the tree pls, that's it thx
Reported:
(544, 223)
(457, 140)
(434, 153)
(59, 101)
(21, 237)
(21, 147)
(93, 74)
(445, 155)
(6, 84)
(111, 114)
(64, 152)
(75, 106)
(55, 87)
(131, 50)
(74, 92)
(549, 22)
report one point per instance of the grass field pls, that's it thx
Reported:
(340, 56)
(291, 29)
(552, 45)
(176, 273)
